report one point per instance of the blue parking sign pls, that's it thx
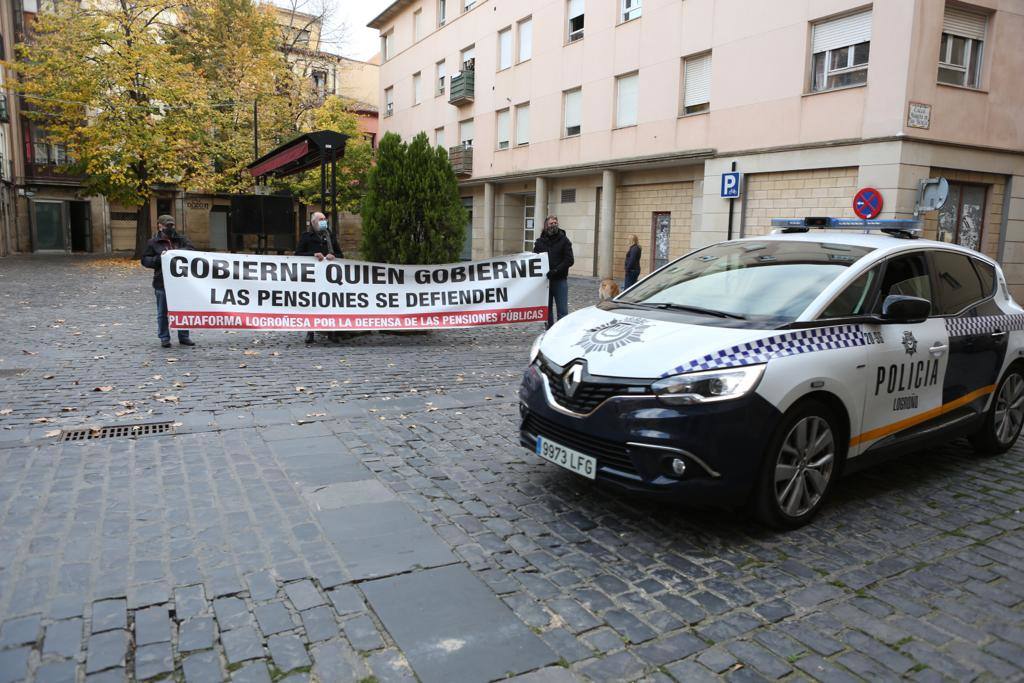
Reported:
(731, 185)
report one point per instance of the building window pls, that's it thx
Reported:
(525, 39)
(573, 112)
(469, 5)
(417, 25)
(504, 128)
(387, 45)
(389, 101)
(960, 51)
(529, 226)
(417, 88)
(626, 95)
(962, 217)
(466, 133)
(523, 124)
(575, 20)
(840, 49)
(696, 84)
(440, 79)
(661, 232)
(442, 12)
(439, 136)
(320, 83)
(301, 37)
(631, 9)
(568, 196)
(504, 48)
(468, 62)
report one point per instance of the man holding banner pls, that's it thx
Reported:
(167, 239)
(319, 241)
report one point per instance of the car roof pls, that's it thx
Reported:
(882, 244)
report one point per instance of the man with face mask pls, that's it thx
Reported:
(320, 242)
(558, 247)
(166, 239)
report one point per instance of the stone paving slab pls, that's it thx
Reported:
(451, 627)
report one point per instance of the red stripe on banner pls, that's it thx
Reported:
(216, 320)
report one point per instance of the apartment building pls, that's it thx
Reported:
(620, 116)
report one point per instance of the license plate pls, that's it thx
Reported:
(574, 461)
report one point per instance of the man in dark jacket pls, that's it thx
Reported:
(318, 241)
(632, 263)
(555, 243)
(166, 239)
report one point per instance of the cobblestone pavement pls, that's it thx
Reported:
(363, 511)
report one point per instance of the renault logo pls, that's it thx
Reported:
(572, 378)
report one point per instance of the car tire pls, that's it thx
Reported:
(1005, 416)
(801, 464)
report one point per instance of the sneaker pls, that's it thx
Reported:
(185, 342)
(166, 344)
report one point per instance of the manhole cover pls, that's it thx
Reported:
(12, 372)
(117, 431)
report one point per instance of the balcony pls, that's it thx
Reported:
(462, 88)
(51, 171)
(461, 157)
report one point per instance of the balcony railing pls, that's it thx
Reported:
(50, 171)
(461, 157)
(461, 88)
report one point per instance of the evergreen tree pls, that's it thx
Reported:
(412, 212)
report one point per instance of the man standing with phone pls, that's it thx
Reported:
(166, 239)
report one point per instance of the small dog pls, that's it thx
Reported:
(609, 289)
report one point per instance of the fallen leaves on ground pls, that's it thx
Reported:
(52, 433)
(6, 411)
(172, 360)
(48, 376)
(104, 388)
(68, 409)
(29, 353)
(41, 420)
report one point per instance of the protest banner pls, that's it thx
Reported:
(241, 291)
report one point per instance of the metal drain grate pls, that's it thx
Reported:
(117, 431)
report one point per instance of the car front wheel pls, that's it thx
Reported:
(1005, 416)
(801, 464)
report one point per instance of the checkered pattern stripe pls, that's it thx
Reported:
(984, 324)
(789, 344)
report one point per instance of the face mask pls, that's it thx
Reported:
(321, 226)
(169, 231)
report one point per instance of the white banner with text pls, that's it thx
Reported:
(240, 291)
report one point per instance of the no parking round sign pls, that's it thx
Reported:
(867, 203)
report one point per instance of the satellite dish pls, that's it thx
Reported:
(931, 195)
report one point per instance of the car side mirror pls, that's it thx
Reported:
(905, 309)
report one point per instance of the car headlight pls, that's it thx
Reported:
(708, 386)
(535, 349)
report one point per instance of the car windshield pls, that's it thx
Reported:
(764, 280)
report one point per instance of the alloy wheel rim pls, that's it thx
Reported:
(1009, 408)
(805, 464)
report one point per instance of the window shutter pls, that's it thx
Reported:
(505, 49)
(697, 81)
(569, 196)
(964, 24)
(525, 40)
(841, 32)
(439, 137)
(416, 88)
(503, 128)
(575, 8)
(625, 110)
(417, 25)
(573, 100)
(466, 133)
(523, 125)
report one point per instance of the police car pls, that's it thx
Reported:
(756, 371)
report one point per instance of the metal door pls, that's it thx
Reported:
(962, 217)
(529, 226)
(661, 230)
(219, 230)
(49, 225)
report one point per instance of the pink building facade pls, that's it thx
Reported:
(620, 116)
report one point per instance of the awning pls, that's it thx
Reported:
(303, 153)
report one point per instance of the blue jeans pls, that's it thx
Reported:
(162, 328)
(558, 297)
(631, 277)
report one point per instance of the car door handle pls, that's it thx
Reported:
(998, 334)
(938, 349)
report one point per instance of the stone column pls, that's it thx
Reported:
(488, 220)
(606, 235)
(540, 203)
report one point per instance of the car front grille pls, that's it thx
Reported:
(588, 395)
(608, 453)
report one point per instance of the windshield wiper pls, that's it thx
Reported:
(698, 309)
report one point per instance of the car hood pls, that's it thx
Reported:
(623, 344)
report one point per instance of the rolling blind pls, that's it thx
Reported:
(573, 102)
(625, 109)
(417, 84)
(523, 125)
(466, 132)
(841, 32)
(505, 49)
(525, 40)
(697, 81)
(575, 8)
(503, 127)
(964, 24)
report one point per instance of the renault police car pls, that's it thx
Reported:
(756, 371)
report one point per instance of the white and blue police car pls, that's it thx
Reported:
(756, 371)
